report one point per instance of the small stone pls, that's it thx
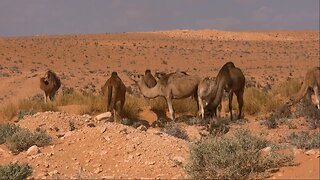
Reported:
(60, 134)
(67, 134)
(98, 170)
(312, 152)
(103, 129)
(108, 177)
(151, 163)
(103, 116)
(91, 125)
(142, 128)
(53, 172)
(33, 150)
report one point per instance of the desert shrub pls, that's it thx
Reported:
(7, 130)
(15, 171)
(232, 157)
(175, 130)
(287, 88)
(218, 126)
(304, 140)
(271, 123)
(23, 113)
(23, 139)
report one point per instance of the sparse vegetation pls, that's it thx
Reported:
(233, 157)
(18, 139)
(7, 130)
(175, 130)
(15, 171)
(304, 140)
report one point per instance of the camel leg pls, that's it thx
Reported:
(45, 98)
(230, 104)
(200, 108)
(316, 93)
(240, 102)
(170, 107)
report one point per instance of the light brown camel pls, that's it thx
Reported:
(232, 80)
(175, 86)
(149, 79)
(114, 90)
(50, 84)
(205, 94)
(311, 80)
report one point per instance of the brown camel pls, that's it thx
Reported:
(114, 90)
(311, 80)
(50, 84)
(231, 79)
(175, 86)
(149, 79)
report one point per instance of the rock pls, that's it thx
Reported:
(178, 159)
(91, 125)
(60, 134)
(142, 128)
(151, 163)
(67, 134)
(98, 170)
(53, 172)
(103, 116)
(297, 151)
(312, 152)
(33, 150)
(266, 150)
(103, 129)
(123, 131)
(107, 177)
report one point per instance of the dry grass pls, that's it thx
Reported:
(286, 88)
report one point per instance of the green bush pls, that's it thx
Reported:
(23, 139)
(304, 140)
(15, 171)
(232, 157)
(7, 130)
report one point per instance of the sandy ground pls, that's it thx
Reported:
(80, 60)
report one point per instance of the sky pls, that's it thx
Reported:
(31, 17)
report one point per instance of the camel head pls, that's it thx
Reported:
(137, 78)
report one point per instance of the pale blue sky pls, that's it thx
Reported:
(29, 17)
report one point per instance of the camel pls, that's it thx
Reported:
(311, 80)
(205, 93)
(114, 90)
(149, 79)
(174, 86)
(50, 84)
(231, 79)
